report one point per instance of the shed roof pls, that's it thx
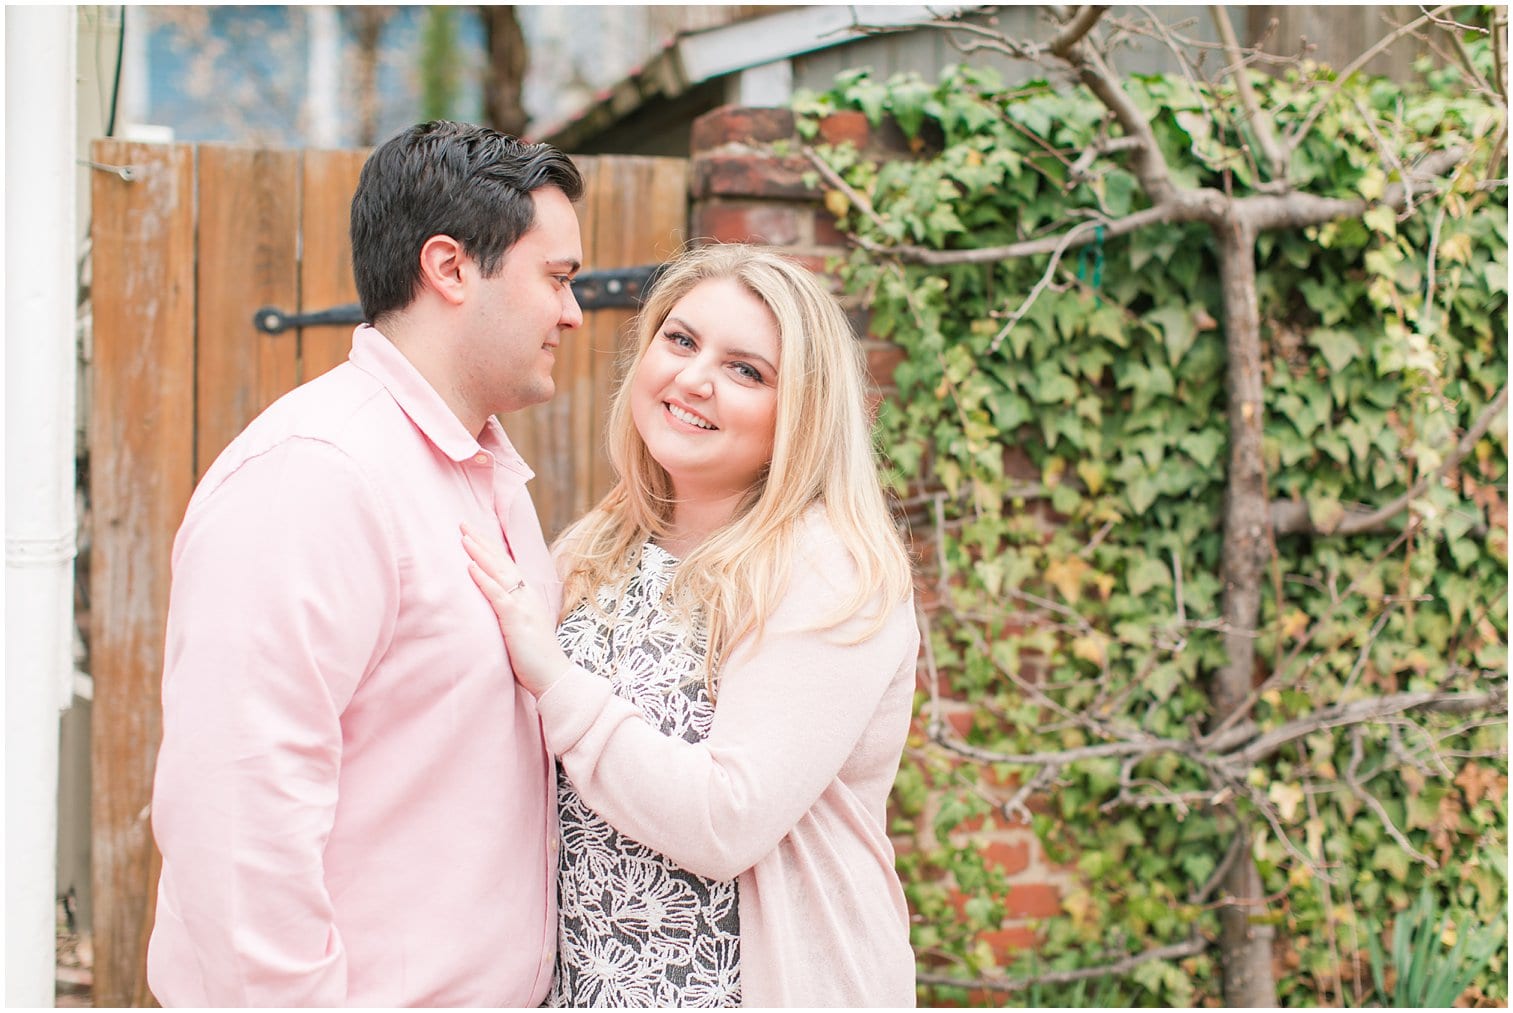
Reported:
(694, 58)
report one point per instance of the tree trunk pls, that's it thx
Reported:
(1245, 941)
(367, 24)
(504, 86)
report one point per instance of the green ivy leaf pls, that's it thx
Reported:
(1177, 328)
(1204, 446)
(1148, 573)
(1141, 493)
(1339, 348)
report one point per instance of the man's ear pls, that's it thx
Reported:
(443, 267)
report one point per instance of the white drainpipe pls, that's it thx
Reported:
(39, 474)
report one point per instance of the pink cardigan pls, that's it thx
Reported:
(787, 792)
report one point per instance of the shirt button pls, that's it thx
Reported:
(481, 458)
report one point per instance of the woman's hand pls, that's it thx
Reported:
(530, 633)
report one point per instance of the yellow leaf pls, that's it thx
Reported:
(1286, 797)
(1088, 648)
(1105, 583)
(1091, 473)
(837, 203)
(1079, 904)
(1373, 184)
(1294, 624)
(1448, 934)
(1381, 219)
(1314, 830)
(1456, 249)
(1066, 576)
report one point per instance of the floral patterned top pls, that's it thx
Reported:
(634, 929)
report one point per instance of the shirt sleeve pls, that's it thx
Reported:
(285, 589)
(791, 708)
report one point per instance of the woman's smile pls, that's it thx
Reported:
(689, 417)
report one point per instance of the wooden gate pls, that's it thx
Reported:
(189, 241)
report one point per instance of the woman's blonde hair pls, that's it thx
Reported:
(822, 454)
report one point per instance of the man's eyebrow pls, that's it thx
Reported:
(735, 353)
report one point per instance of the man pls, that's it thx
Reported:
(352, 798)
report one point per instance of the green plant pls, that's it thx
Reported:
(1434, 959)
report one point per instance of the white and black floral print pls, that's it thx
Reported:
(635, 930)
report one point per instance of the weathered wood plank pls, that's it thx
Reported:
(141, 444)
(648, 229)
(248, 238)
(330, 179)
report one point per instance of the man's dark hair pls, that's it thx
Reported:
(441, 178)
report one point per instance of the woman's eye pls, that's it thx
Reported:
(680, 339)
(748, 372)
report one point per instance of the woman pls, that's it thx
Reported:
(730, 686)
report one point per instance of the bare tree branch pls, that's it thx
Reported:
(1234, 749)
(1267, 211)
(1464, 55)
(1367, 711)
(1175, 951)
(1231, 855)
(1108, 146)
(1352, 781)
(1040, 286)
(1386, 42)
(1076, 29)
(1365, 651)
(1276, 157)
(1147, 162)
(1390, 161)
(1296, 210)
(1499, 53)
(1291, 518)
(1279, 674)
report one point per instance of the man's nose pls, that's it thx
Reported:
(572, 313)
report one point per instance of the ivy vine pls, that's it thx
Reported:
(1063, 435)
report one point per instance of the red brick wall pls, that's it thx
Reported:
(748, 186)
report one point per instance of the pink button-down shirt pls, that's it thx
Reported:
(352, 797)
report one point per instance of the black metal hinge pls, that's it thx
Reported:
(621, 288)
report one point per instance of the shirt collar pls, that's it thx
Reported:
(377, 356)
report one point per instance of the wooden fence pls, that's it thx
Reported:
(184, 251)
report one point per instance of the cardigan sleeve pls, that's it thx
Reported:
(792, 708)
